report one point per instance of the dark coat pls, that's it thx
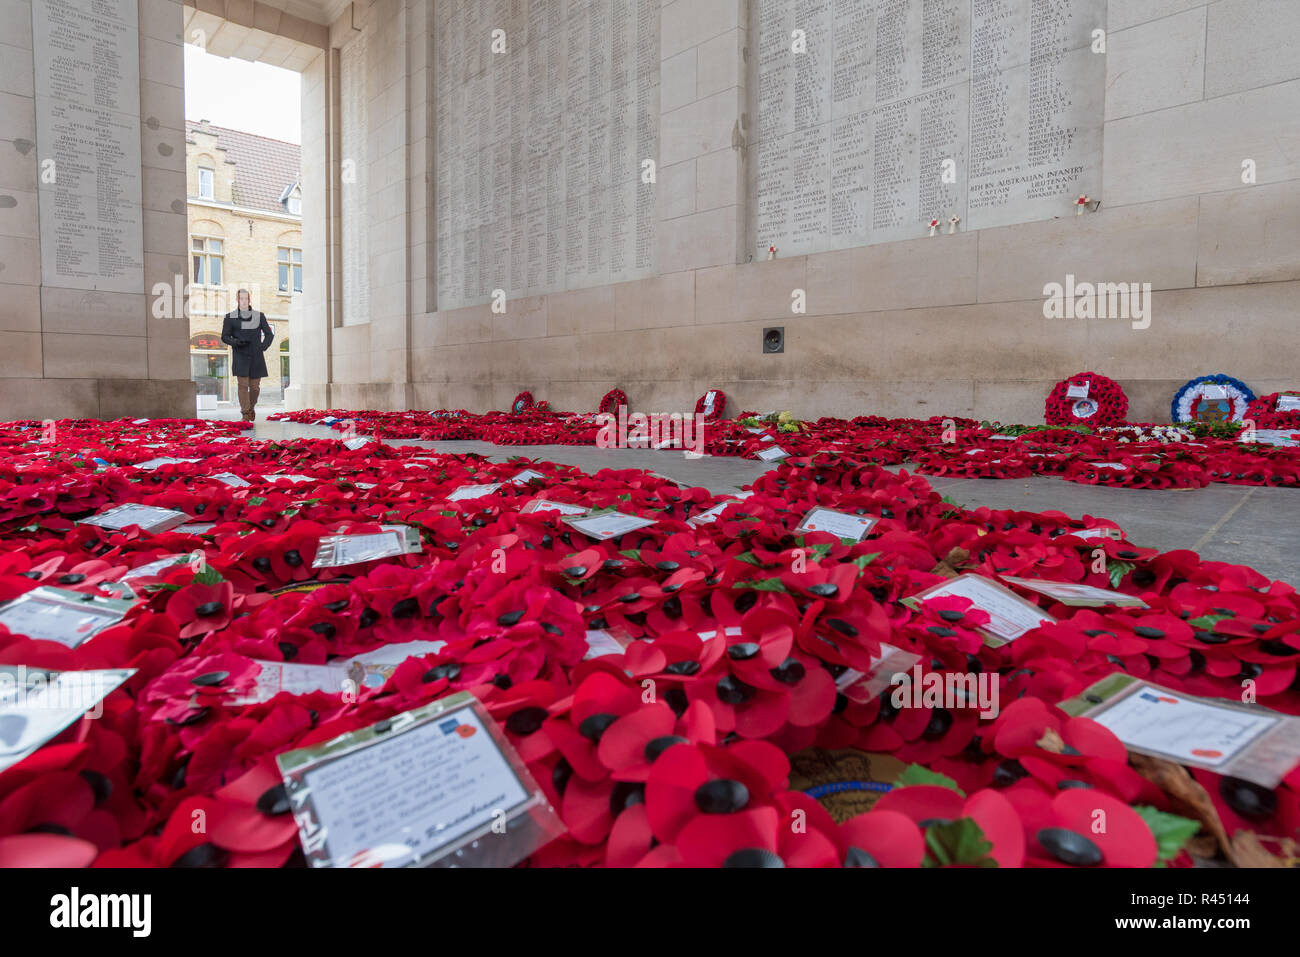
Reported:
(248, 360)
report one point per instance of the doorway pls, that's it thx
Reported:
(245, 200)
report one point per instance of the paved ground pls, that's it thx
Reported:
(1259, 527)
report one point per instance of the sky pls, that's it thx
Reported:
(252, 97)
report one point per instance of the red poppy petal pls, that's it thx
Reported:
(585, 809)
(248, 830)
(1112, 825)
(1000, 823)
(891, 837)
(709, 839)
(1093, 739)
(922, 802)
(623, 743)
(670, 790)
(812, 699)
(809, 849)
(45, 850)
(629, 839)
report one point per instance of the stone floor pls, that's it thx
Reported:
(1259, 527)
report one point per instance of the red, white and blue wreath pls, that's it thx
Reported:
(1211, 398)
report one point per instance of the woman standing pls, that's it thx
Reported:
(241, 330)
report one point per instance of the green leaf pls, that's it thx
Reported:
(957, 842)
(917, 774)
(1207, 621)
(1170, 830)
(1117, 570)
(763, 584)
(862, 561)
(632, 553)
(750, 558)
(208, 575)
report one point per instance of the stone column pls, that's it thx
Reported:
(703, 126)
(310, 321)
(86, 328)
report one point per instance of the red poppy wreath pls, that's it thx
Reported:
(761, 668)
(612, 400)
(522, 403)
(1086, 398)
(1264, 411)
(711, 405)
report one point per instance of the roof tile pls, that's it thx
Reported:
(264, 167)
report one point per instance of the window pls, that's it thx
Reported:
(205, 184)
(295, 203)
(207, 260)
(289, 263)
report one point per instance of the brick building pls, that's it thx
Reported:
(245, 232)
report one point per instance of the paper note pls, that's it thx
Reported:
(150, 464)
(1009, 616)
(711, 515)
(404, 797)
(338, 550)
(69, 622)
(156, 567)
(196, 528)
(383, 661)
(545, 505)
(600, 643)
(839, 524)
(609, 525)
(1089, 533)
(473, 491)
(527, 475)
(278, 676)
(863, 687)
(1084, 596)
(36, 705)
(1183, 728)
(149, 517)
(229, 478)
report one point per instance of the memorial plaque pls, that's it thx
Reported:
(87, 86)
(354, 190)
(877, 116)
(539, 147)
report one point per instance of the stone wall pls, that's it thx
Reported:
(66, 347)
(950, 324)
(943, 325)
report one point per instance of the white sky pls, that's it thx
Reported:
(252, 97)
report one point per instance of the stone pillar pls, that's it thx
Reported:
(85, 328)
(310, 322)
(702, 132)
